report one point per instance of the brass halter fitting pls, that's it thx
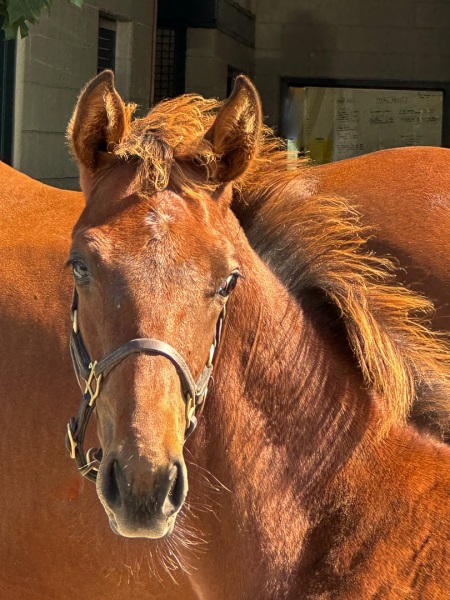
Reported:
(92, 374)
(88, 389)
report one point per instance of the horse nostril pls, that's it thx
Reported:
(176, 490)
(110, 484)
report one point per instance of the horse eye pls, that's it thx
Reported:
(80, 271)
(228, 286)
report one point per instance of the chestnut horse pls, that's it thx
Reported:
(53, 530)
(55, 542)
(329, 491)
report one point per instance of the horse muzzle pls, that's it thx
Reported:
(139, 499)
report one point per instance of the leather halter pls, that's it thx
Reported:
(93, 372)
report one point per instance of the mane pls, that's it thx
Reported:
(319, 244)
(312, 244)
(170, 146)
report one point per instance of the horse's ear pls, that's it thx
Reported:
(236, 130)
(98, 122)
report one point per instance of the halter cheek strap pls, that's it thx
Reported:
(90, 375)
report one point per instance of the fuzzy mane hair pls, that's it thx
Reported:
(312, 244)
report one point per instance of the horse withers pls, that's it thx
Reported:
(331, 487)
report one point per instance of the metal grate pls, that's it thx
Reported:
(165, 64)
(106, 56)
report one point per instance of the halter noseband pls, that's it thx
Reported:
(93, 372)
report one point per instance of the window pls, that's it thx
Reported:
(165, 64)
(170, 56)
(106, 56)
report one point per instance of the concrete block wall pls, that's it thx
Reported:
(209, 54)
(249, 5)
(401, 40)
(54, 63)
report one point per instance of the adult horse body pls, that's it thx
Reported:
(332, 494)
(55, 542)
(404, 194)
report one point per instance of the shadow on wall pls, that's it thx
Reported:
(301, 46)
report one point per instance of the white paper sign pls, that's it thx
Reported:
(344, 122)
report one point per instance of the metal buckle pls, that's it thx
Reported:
(73, 443)
(211, 354)
(98, 380)
(201, 402)
(190, 409)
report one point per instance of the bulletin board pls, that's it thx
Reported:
(332, 123)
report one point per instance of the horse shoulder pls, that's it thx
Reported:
(394, 496)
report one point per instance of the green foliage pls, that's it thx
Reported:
(18, 14)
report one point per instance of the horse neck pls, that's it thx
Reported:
(285, 413)
(287, 393)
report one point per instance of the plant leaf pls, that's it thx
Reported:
(27, 10)
(18, 12)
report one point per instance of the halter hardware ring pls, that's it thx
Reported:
(90, 463)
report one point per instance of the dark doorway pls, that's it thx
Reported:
(7, 67)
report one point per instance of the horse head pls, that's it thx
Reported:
(154, 261)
